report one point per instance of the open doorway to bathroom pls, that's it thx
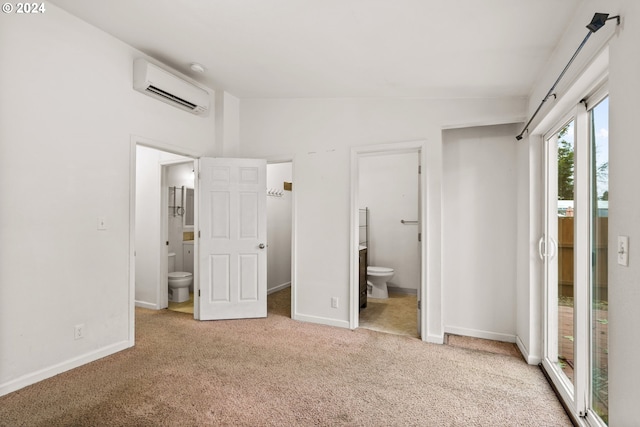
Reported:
(164, 184)
(178, 185)
(389, 241)
(279, 237)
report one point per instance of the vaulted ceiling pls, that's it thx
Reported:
(343, 48)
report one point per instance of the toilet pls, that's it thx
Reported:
(377, 278)
(179, 282)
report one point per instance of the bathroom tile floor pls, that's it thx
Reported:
(182, 307)
(397, 314)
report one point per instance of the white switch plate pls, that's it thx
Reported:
(102, 223)
(334, 302)
(623, 250)
(78, 331)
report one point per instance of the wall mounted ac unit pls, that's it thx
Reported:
(160, 84)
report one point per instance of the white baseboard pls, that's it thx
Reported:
(321, 320)
(495, 336)
(434, 339)
(43, 374)
(278, 288)
(144, 304)
(530, 358)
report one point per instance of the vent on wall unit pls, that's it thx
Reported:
(160, 84)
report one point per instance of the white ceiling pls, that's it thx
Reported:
(343, 48)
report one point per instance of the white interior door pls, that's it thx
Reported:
(233, 231)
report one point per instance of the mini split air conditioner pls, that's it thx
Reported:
(160, 84)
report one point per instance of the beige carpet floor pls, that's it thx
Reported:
(480, 344)
(279, 372)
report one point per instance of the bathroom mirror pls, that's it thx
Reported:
(187, 203)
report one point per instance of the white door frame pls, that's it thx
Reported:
(391, 148)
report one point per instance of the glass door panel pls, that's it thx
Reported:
(565, 251)
(599, 116)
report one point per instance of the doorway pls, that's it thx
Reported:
(154, 212)
(387, 227)
(229, 276)
(279, 234)
(177, 187)
(575, 252)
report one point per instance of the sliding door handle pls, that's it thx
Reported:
(543, 253)
(555, 248)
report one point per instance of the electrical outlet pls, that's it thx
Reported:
(334, 302)
(78, 331)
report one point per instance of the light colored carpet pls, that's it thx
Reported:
(279, 372)
(480, 344)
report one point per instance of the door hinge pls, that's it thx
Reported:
(419, 305)
(167, 243)
(198, 234)
(419, 169)
(198, 292)
(419, 237)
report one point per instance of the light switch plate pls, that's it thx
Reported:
(102, 223)
(623, 250)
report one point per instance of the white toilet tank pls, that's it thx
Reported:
(172, 262)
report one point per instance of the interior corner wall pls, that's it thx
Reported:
(69, 114)
(227, 134)
(529, 292)
(319, 134)
(148, 222)
(479, 231)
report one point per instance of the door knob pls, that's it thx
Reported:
(262, 246)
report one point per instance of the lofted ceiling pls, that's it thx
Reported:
(343, 48)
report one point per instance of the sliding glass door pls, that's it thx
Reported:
(574, 249)
(599, 340)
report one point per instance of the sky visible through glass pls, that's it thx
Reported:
(600, 119)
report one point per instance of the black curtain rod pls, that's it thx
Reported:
(598, 21)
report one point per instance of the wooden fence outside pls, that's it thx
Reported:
(565, 257)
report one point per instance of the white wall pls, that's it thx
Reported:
(624, 219)
(624, 202)
(318, 134)
(279, 227)
(479, 249)
(389, 188)
(227, 124)
(68, 117)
